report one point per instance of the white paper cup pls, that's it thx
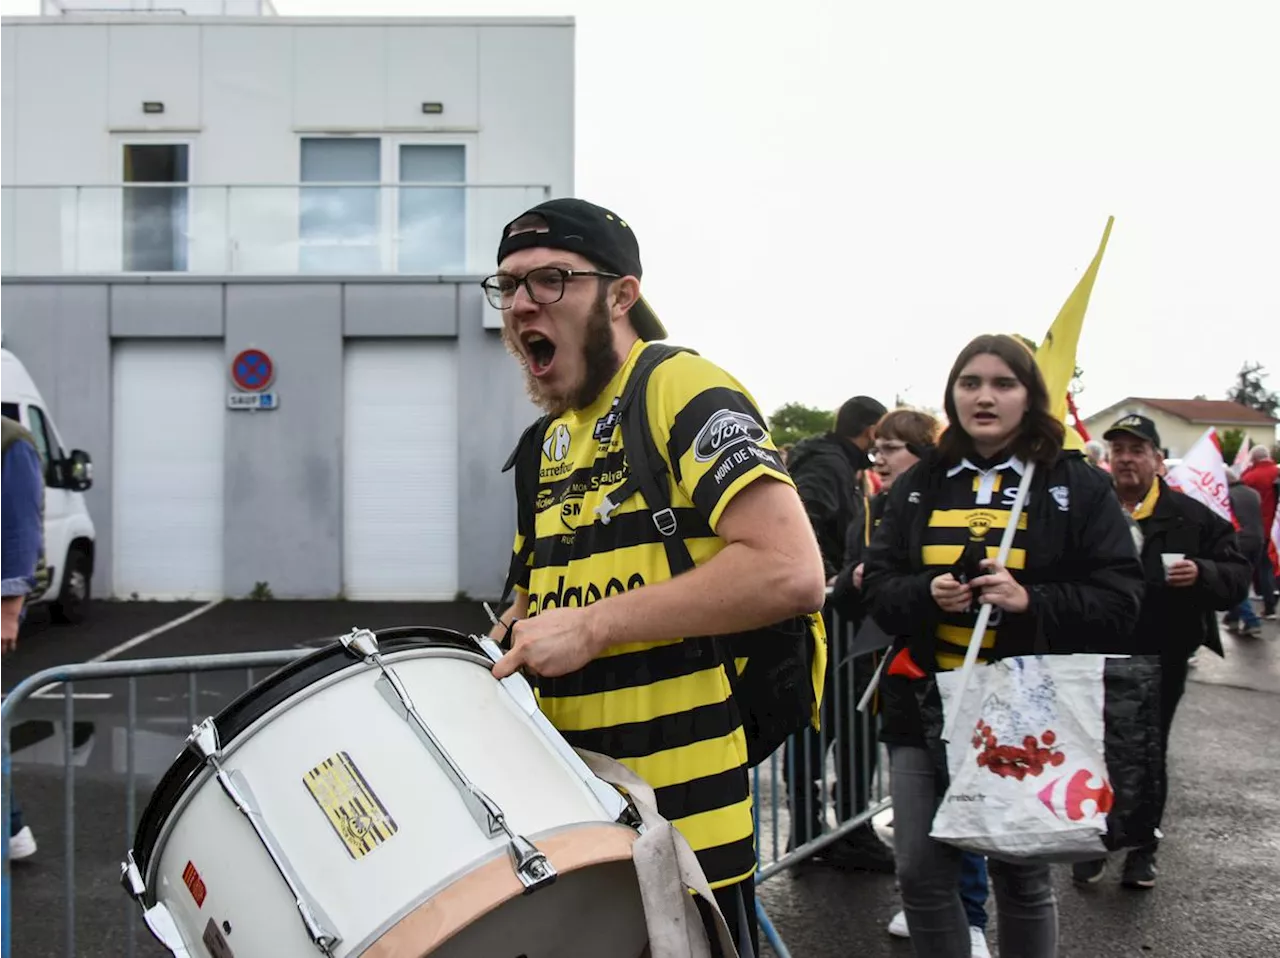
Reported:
(1170, 559)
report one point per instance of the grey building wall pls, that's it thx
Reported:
(283, 480)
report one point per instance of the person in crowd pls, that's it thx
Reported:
(1072, 583)
(902, 436)
(1246, 506)
(829, 475)
(1192, 567)
(1096, 453)
(622, 671)
(1263, 477)
(22, 527)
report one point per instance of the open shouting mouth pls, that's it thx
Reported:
(539, 350)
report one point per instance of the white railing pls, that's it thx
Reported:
(263, 229)
(188, 8)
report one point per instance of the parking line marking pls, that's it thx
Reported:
(47, 691)
(158, 630)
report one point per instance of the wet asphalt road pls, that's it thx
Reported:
(1219, 890)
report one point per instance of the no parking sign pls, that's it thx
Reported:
(252, 371)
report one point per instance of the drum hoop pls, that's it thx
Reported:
(196, 781)
(565, 861)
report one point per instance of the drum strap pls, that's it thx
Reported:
(665, 866)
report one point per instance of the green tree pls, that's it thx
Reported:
(794, 421)
(1231, 440)
(1249, 390)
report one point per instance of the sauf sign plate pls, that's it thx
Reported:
(253, 401)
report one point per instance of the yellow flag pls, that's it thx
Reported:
(1056, 355)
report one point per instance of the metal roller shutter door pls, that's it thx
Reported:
(400, 470)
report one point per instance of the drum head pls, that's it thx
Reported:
(253, 704)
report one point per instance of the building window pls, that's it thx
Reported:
(339, 225)
(155, 216)
(432, 219)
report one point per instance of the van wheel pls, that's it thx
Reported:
(72, 604)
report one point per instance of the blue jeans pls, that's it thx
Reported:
(15, 816)
(1244, 612)
(973, 889)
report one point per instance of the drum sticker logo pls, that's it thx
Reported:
(357, 815)
(195, 884)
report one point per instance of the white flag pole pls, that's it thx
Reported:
(984, 614)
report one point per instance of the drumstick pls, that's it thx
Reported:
(497, 621)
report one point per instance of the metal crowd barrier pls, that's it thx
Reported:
(67, 676)
(845, 762)
(844, 753)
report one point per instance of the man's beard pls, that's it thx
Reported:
(599, 360)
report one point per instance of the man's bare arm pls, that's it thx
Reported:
(770, 569)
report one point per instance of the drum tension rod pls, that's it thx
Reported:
(531, 866)
(204, 741)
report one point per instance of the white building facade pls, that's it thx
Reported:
(322, 195)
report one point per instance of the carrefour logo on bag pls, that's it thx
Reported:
(726, 428)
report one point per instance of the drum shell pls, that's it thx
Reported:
(435, 841)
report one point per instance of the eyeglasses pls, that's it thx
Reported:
(545, 285)
(887, 449)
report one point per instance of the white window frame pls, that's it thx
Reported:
(121, 141)
(389, 182)
(381, 206)
(391, 168)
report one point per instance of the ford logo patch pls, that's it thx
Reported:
(726, 428)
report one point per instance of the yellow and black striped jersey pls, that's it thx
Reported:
(661, 708)
(972, 509)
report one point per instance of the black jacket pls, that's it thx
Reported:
(844, 597)
(1082, 572)
(1174, 622)
(1082, 575)
(825, 470)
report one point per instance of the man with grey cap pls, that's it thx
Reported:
(1192, 567)
(609, 633)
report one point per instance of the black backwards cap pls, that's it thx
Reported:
(591, 231)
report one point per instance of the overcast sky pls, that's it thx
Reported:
(833, 197)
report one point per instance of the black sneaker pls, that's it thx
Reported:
(1087, 873)
(1140, 869)
(860, 850)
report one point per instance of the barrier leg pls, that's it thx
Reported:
(770, 933)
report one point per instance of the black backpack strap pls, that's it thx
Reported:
(526, 459)
(647, 470)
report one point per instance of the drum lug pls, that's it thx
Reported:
(532, 867)
(165, 930)
(361, 643)
(204, 739)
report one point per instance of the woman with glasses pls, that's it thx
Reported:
(1072, 583)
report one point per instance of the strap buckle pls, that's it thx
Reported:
(665, 520)
(603, 510)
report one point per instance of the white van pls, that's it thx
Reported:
(68, 530)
